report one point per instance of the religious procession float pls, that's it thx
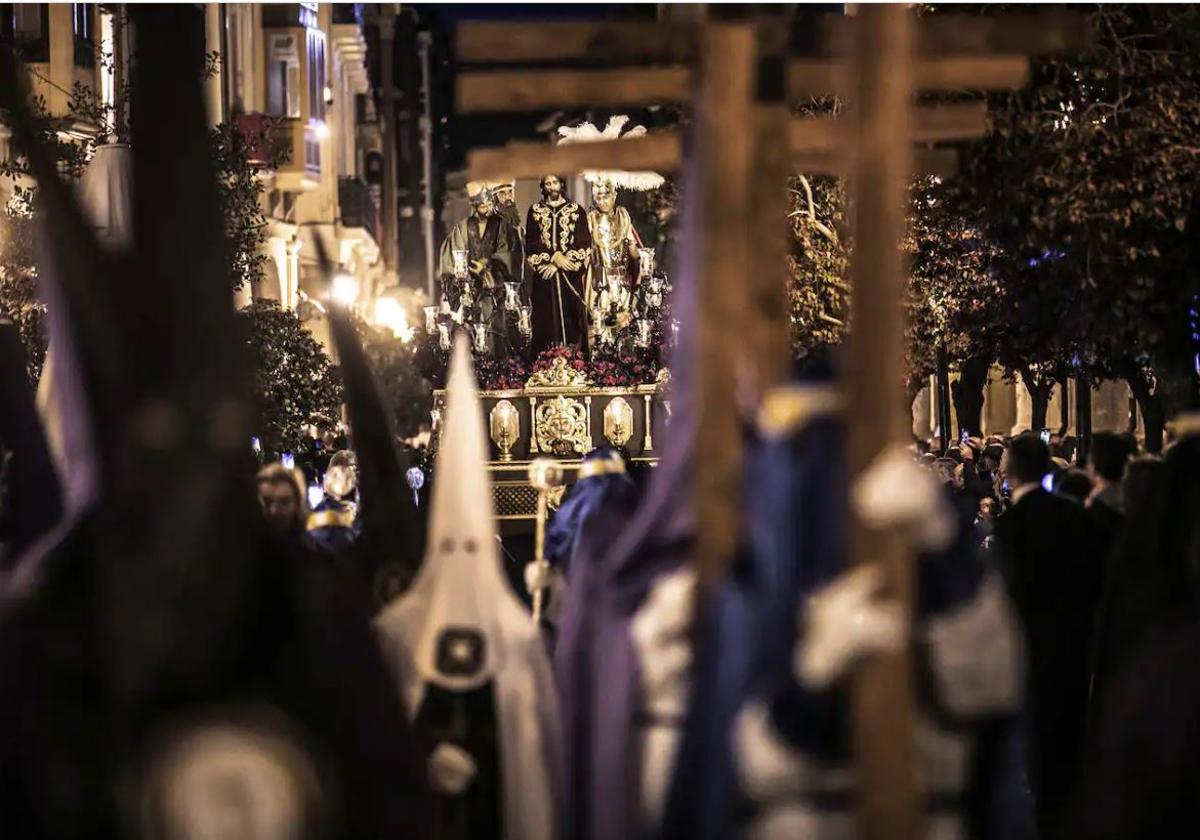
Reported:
(569, 325)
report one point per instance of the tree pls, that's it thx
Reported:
(406, 393)
(295, 382)
(239, 185)
(1088, 182)
(818, 264)
(18, 298)
(952, 296)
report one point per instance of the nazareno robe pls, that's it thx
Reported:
(559, 311)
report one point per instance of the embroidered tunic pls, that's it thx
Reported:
(559, 313)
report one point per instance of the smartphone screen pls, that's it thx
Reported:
(1045, 435)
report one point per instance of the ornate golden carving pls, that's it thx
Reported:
(558, 375)
(561, 426)
(618, 422)
(504, 424)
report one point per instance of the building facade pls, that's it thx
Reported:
(303, 69)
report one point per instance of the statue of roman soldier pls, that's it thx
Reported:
(613, 272)
(614, 262)
(558, 248)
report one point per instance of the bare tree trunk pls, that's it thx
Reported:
(968, 393)
(1149, 403)
(1039, 395)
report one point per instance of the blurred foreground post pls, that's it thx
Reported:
(889, 804)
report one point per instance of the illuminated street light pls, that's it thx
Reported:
(390, 315)
(344, 289)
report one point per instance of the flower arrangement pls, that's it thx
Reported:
(506, 374)
(572, 355)
(622, 372)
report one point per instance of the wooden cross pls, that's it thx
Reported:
(740, 82)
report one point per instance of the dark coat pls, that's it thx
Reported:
(1048, 550)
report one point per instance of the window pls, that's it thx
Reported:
(235, 81)
(27, 27)
(81, 24)
(283, 76)
(316, 75)
(108, 70)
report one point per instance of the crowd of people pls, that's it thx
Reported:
(1097, 552)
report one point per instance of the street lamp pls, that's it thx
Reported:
(344, 289)
(390, 315)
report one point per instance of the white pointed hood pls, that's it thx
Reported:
(461, 584)
(461, 588)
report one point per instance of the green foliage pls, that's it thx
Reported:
(1088, 184)
(954, 292)
(294, 381)
(407, 395)
(818, 287)
(239, 192)
(18, 288)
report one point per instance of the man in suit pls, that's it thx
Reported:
(1106, 468)
(1047, 549)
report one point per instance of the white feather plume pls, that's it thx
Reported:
(620, 178)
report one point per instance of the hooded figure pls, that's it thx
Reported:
(30, 501)
(163, 609)
(105, 195)
(332, 523)
(468, 658)
(389, 534)
(623, 650)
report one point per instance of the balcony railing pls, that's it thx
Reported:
(357, 208)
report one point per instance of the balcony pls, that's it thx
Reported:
(357, 208)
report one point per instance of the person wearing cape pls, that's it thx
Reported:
(30, 496)
(764, 753)
(622, 653)
(468, 660)
(158, 617)
(333, 522)
(601, 483)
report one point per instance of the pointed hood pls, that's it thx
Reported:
(460, 627)
(391, 528)
(104, 194)
(461, 584)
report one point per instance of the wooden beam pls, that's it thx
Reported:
(1038, 33)
(656, 152)
(882, 713)
(821, 77)
(931, 124)
(937, 36)
(940, 162)
(659, 152)
(536, 90)
(723, 126)
(574, 41)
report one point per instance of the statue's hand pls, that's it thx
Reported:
(547, 271)
(451, 769)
